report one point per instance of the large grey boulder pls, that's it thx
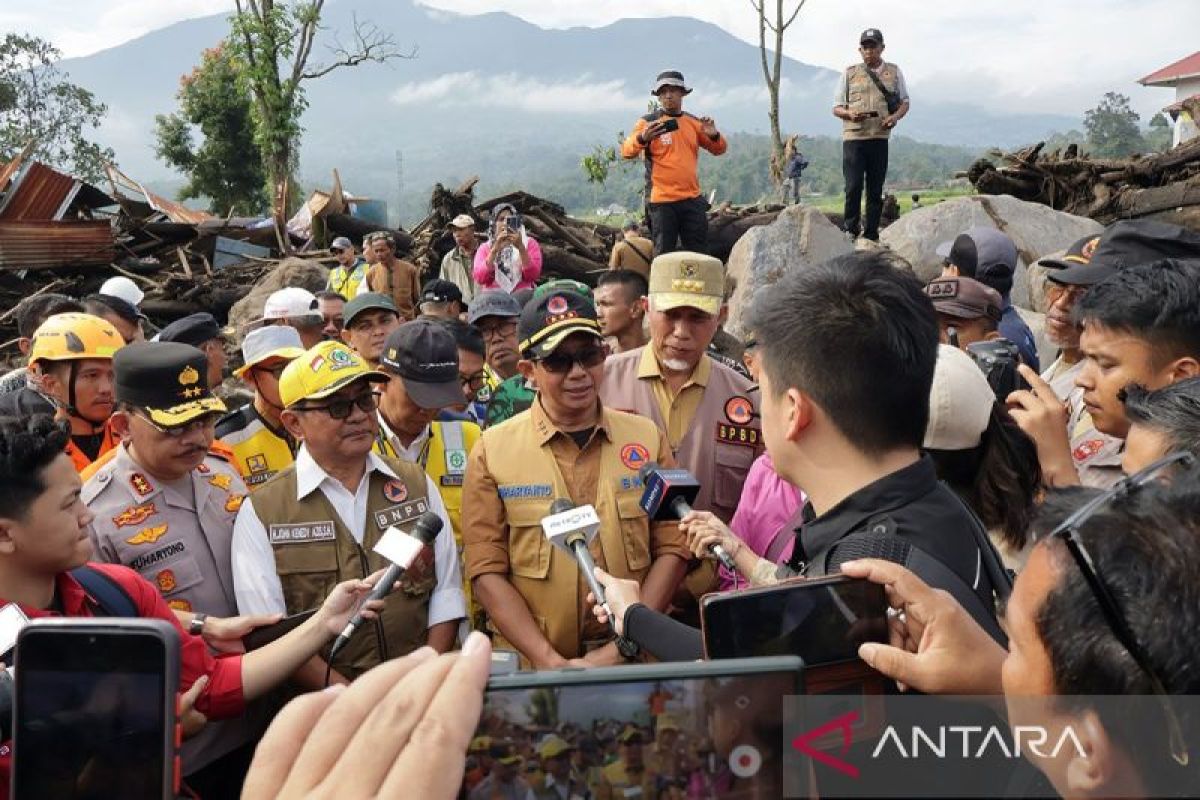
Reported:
(300, 272)
(1037, 230)
(800, 237)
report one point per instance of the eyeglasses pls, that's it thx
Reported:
(473, 381)
(1057, 291)
(498, 330)
(586, 357)
(1068, 531)
(340, 409)
(205, 423)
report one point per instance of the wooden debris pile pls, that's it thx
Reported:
(1165, 185)
(571, 248)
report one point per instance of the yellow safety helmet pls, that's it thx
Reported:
(74, 336)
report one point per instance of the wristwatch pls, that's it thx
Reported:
(628, 647)
(196, 626)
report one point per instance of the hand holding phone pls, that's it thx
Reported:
(108, 686)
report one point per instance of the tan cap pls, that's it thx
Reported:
(960, 402)
(462, 221)
(687, 279)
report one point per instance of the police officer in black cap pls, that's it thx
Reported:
(201, 331)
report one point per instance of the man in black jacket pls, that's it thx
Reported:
(847, 353)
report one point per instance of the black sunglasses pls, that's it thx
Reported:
(587, 357)
(340, 409)
(1068, 531)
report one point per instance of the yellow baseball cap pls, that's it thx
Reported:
(553, 746)
(683, 279)
(322, 370)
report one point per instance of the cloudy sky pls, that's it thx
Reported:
(1028, 55)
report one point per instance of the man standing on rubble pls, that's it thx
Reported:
(871, 98)
(670, 140)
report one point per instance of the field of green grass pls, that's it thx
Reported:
(834, 203)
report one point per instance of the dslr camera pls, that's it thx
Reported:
(998, 359)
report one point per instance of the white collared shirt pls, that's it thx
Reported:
(256, 583)
(412, 453)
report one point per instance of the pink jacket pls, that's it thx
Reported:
(766, 505)
(485, 276)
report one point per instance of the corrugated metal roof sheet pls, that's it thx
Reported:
(39, 193)
(176, 212)
(43, 244)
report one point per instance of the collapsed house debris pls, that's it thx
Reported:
(1165, 185)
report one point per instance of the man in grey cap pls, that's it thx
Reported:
(871, 98)
(201, 331)
(669, 141)
(369, 318)
(990, 257)
(351, 270)
(459, 262)
(495, 314)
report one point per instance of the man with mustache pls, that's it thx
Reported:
(164, 503)
(707, 410)
(319, 520)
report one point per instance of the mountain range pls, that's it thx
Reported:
(493, 95)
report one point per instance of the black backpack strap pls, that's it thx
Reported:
(873, 543)
(111, 599)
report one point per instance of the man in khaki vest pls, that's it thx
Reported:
(867, 122)
(565, 446)
(318, 521)
(708, 411)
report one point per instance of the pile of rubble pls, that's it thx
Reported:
(1166, 185)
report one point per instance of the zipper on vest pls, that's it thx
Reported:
(380, 640)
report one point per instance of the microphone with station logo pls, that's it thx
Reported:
(572, 528)
(669, 494)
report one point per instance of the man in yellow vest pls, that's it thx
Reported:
(421, 360)
(351, 270)
(565, 446)
(318, 521)
(260, 445)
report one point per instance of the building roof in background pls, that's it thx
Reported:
(1172, 73)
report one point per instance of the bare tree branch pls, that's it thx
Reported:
(795, 14)
(370, 44)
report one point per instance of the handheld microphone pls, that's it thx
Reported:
(402, 551)
(669, 494)
(571, 529)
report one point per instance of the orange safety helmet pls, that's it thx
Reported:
(74, 336)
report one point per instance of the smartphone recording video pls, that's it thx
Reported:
(94, 714)
(822, 620)
(704, 729)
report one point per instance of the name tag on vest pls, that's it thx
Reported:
(299, 534)
(401, 513)
(738, 434)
